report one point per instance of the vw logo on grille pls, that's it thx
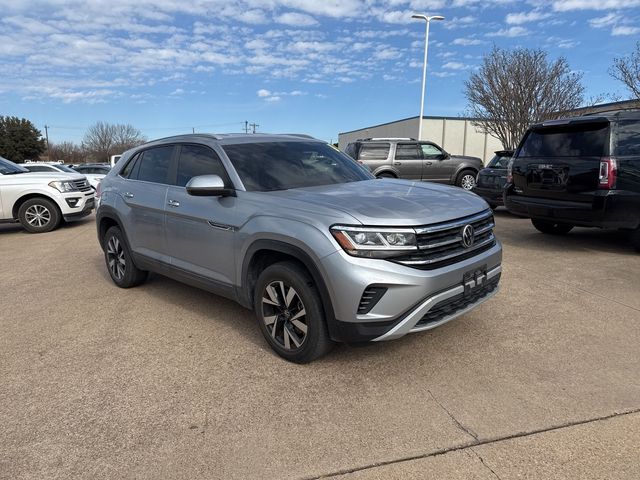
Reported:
(468, 235)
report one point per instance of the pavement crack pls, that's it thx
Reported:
(484, 463)
(466, 430)
(477, 443)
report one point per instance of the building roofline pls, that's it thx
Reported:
(424, 117)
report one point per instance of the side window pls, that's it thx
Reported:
(154, 164)
(430, 151)
(351, 150)
(407, 151)
(198, 160)
(374, 151)
(129, 167)
(36, 168)
(628, 138)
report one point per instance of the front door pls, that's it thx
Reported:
(201, 230)
(436, 164)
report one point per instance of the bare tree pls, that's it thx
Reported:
(515, 88)
(627, 70)
(68, 152)
(105, 139)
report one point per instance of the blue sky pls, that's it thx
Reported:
(309, 66)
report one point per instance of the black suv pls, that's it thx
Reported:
(413, 160)
(581, 171)
(491, 180)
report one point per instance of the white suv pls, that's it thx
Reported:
(40, 201)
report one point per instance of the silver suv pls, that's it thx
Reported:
(300, 233)
(412, 160)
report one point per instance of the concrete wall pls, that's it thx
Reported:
(456, 135)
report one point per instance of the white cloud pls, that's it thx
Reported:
(264, 92)
(525, 17)
(607, 20)
(509, 32)
(620, 30)
(455, 66)
(296, 19)
(467, 41)
(568, 5)
(387, 53)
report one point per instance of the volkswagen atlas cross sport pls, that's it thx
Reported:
(300, 233)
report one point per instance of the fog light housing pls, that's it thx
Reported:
(72, 202)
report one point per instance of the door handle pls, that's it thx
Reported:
(397, 163)
(128, 195)
(428, 163)
(173, 203)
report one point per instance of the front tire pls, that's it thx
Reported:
(553, 228)
(466, 180)
(289, 313)
(39, 215)
(119, 261)
(386, 175)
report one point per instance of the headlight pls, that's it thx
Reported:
(374, 242)
(63, 186)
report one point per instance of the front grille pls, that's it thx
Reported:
(82, 185)
(459, 302)
(441, 244)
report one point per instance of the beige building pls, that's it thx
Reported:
(457, 135)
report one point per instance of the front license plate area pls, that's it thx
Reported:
(474, 279)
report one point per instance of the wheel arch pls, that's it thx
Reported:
(263, 253)
(18, 203)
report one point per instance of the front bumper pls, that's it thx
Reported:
(410, 294)
(76, 205)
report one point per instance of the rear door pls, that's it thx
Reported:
(201, 230)
(561, 161)
(144, 191)
(408, 161)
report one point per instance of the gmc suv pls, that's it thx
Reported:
(581, 171)
(413, 160)
(295, 230)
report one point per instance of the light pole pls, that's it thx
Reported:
(427, 20)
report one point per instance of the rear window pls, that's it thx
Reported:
(499, 161)
(374, 151)
(628, 138)
(589, 140)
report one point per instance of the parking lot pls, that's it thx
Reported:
(167, 381)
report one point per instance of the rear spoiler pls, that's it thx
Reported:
(569, 121)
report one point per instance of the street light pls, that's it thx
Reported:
(427, 20)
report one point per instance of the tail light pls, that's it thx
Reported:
(510, 171)
(608, 173)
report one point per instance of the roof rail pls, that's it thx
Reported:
(376, 139)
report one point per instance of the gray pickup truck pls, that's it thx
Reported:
(300, 233)
(413, 160)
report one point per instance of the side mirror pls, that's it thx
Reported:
(208, 186)
(445, 156)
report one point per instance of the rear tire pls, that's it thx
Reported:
(553, 228)
(386, 175)
(466, 180)
(119, 260)
(39, 215)
(289, 313)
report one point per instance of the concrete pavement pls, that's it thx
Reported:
(167, 381)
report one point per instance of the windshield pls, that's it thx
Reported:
(272, 166)
(8, 168)
(499, 161)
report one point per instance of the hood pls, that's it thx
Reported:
(391, 202)
(42, 177)
(466, 158)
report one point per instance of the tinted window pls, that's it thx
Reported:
(407, 151)
(10, 168)
(129, 167)
(351, 150)
(374, 151)
(198, 160)
(628, 138)
(588, 141)
(40, 168)
(430, 151)
(283, 165)
(154, 164)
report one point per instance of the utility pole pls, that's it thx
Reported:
(246, 126)
(193, 129)
(254, 126)
(46, 132)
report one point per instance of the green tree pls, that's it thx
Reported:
(19, 139)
